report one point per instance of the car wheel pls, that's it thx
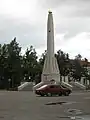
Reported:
(66, 93)
(60, 94)
(42, 94)
(49, 94)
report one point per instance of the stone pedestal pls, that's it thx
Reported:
(50, 78)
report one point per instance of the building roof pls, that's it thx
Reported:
(83, 62)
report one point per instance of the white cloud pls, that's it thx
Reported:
(27, 19)
(17, 8)
(26, 11)
(59, 39)
(80, 41)
(77, 44)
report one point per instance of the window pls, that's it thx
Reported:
(51, 86)
(58, 86)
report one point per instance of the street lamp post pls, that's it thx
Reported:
(9, 80)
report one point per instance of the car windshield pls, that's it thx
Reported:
(63, 86)
(43, 86)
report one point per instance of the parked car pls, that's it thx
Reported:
(53, 90)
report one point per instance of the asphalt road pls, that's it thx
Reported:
(28, 106)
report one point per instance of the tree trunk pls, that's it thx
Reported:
(89, 82)
(86, 82)
(64, 78)
(68, 78)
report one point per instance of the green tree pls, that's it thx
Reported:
(42, 59)
(63, 62)
(14, 62)
(77, 67)
(3, 65)
(40, 66)
(78, 57)
(10, 65)
(30, 69)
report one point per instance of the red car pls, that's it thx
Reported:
(53, 90)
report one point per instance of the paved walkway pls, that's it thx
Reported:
(28, 106)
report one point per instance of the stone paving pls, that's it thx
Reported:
(28, 106)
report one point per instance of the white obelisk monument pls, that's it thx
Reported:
(50, 70)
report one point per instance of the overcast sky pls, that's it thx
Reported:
(27, 20)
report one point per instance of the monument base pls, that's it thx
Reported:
(50, 78)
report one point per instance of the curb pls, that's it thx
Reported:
(87, 90)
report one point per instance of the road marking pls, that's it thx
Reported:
(87, 98)
(81, 93)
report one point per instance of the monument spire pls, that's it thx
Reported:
(50, 34)
(50, 69)
(49, 11)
